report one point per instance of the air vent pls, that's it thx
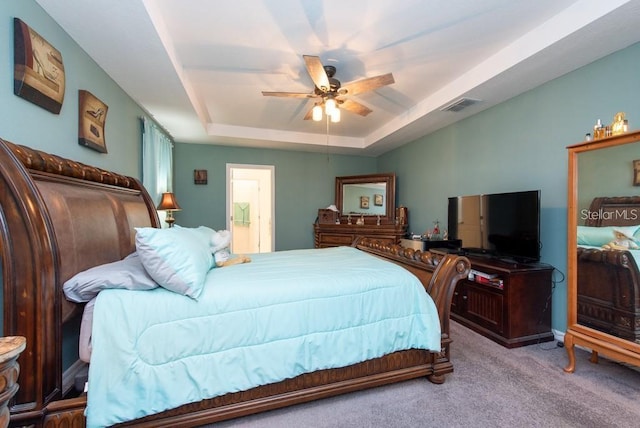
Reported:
(460, 104)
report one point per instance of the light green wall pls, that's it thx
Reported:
(23, 122)
(519, 145)
(304, 182)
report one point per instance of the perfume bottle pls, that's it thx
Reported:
(598, 130)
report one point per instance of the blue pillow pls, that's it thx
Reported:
(177, 258)
(598, 236)
(203, 232)
(126, 273)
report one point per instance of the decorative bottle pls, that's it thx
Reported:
(598, 130)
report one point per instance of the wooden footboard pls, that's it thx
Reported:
(59, 217)
(609, 292)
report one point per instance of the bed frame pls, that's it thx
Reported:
(59, 217)
(609, 281)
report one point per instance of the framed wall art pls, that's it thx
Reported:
(636, 172)
(38, 73)
(199, 176)
(364, 202)
(377, 200)
(91, 121)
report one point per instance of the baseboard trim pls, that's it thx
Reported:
(558, 335)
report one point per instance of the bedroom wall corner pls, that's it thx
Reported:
(519, 144)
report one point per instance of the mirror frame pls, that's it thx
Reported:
(577, 334)
(390, 204)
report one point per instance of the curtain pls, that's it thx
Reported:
(157, 162)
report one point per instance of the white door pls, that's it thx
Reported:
(250, 202)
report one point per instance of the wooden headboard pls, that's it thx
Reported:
(57, 218)
(614, 211)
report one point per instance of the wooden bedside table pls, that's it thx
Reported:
(10, 349)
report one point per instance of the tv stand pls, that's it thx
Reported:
(508, 302)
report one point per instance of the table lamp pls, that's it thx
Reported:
(169, 204)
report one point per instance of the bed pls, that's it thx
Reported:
(60, 218)
(608, 279)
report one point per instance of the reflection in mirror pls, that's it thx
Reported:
(608, 219)
(367, 195)
(364, 199)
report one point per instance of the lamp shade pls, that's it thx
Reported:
(168, 202)
(335, 116)
(330, 106)
(317, 113)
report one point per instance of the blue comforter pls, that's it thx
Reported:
(284, 314)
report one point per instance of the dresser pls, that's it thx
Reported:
(334, 235)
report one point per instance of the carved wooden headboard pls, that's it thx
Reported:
(57, 217)
(614, 211)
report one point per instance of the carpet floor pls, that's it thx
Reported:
(491, 386)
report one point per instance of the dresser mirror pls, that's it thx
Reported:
(603, 278)
(367, 195)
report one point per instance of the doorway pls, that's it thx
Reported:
(250, 208)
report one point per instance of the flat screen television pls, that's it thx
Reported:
(503, 225)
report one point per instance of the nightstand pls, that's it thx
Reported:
(10, 349)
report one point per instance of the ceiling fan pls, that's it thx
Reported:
(331, 93)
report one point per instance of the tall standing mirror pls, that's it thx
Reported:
(367, 195)
(604, 249)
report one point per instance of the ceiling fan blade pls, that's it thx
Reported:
(368, 84)
(354, 107)
(317, 73)
(288, 94)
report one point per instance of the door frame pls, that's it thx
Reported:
(229, 209)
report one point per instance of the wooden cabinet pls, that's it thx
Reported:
(334, 235)
(509, 303)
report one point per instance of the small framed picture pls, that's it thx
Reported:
(91, 121)
(199, 176)
(636, 172)
(377, 200)
(364, 202)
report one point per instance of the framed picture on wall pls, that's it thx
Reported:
(636, 172)
(199, 176)
(91, 121)
(364, 202)
(38, 73)
(377, 200)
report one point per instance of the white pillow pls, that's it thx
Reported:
(126, 273)
(177, 258)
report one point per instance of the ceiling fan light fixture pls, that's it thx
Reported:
(316, 114)
(335, 116)
(330, 106)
